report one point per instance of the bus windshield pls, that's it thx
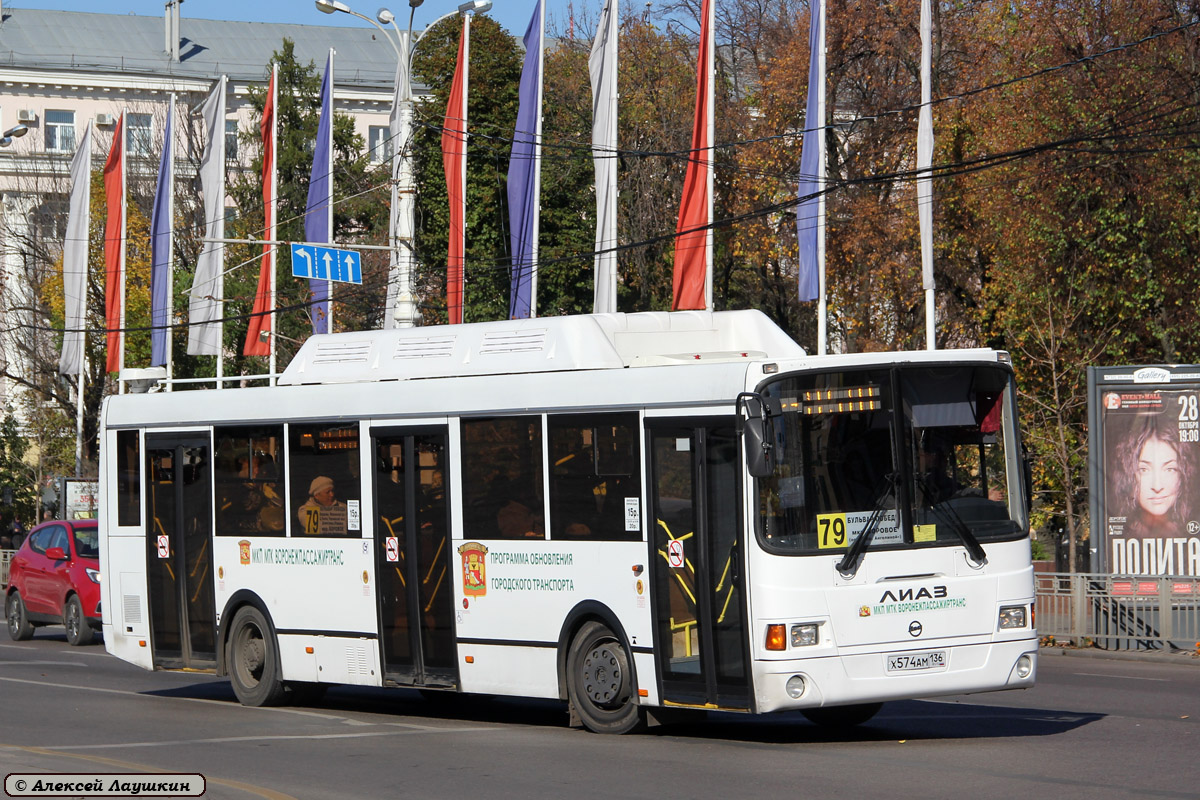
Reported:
(927, 452)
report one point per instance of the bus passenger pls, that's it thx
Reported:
(322, 514)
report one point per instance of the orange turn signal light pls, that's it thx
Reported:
(776, 637)
(643, 692)
(308, 650)
(470, 659)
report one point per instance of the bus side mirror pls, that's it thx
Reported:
(758, 435)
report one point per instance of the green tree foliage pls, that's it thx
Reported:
(495, 71)
(18, 481)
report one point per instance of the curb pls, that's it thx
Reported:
(1179, 657)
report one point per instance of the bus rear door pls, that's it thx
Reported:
(699, 608)
(179, 551)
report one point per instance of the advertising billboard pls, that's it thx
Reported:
(1144, 466)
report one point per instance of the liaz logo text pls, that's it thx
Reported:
(913, 594)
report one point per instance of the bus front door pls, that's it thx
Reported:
(179, 552)
(699, 605)
(412, 545)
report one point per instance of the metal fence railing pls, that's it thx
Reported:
(5, 557)
(1119, 612)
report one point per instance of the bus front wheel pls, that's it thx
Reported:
(600, 681)
(253, 662)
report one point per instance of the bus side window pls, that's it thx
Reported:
(247, 480)
(595, 471)
(129, 479)
(502, 478)
(326, 487)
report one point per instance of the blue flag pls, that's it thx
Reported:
(523, 175)
(318, 214)
(808, 215)
(160, 255)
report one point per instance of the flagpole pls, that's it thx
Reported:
(329, 200)
(220, 231)
(79, 384)
(924, 173)
(537, 166)
(121, 262)
(822, 175)
(462, 172)
(709, 156)
(272, 208)
(170, 145)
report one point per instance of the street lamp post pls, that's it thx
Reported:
(402, 222)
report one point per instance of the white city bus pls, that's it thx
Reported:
(636, 513)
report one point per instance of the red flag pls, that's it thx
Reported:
(695, 210)
(114, 232)
(454, 162)
(260, 315)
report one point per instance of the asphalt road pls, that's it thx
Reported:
(1092, 728)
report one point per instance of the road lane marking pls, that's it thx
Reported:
(261, 791)
(220, 703)
(417, 729)
(43, 663)
(1123, 677)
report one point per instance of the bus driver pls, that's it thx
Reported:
(322, 514)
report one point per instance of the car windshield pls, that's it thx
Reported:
(927, 452)
(87, 542)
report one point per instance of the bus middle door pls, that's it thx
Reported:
(412, 545)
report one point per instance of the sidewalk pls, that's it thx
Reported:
(1189, 657)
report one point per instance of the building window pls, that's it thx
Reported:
(231, 137)
(60, 131)
(379, 140)
(138, 140)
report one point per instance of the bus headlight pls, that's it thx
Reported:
(795, 687)
(805, 634)
(1014, 617)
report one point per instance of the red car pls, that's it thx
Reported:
(54, 579)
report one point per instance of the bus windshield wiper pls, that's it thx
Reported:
(946, 512)
(848, 564)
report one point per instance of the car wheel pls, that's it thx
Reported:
(19, 626)
(841, 717)
(253, 660)
(600, 682)
(78, 632)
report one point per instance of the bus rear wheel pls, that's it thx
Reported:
(600, 681)
(841, 717)
(253, 661)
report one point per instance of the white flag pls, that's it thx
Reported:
(205, 306)
(75, 257)
(925, 154)
(602, 66)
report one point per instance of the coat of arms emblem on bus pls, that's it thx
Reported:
(474, 569)
(244, 551)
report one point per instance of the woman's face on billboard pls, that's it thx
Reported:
(1158, 476)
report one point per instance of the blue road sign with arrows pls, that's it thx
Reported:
(326, 263)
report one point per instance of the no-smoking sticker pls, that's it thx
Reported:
(164, 547)
(675, 553)
(393, 548)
